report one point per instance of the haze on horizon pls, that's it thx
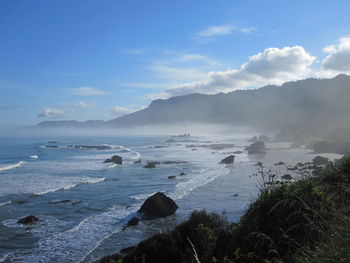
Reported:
(84, 60)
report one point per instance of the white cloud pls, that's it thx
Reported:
(53, 113)
(86, 91)
(223, 30)
(272, 66)
(338, 58)
(80, 104)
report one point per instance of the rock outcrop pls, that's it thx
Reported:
(228, 160)
(28, 219)
(319, 160)
(115, 159)
(158, 205)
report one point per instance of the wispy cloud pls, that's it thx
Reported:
(136, 51)
(86, 91)
(118, 111)
(54, 113)
(212, 32)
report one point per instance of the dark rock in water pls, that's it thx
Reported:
(256, 147)
(60, 201)
(115, 159)
(158, 205)
(133, 221)
(238, 152)
(51, 146)
(138, 161)
(319, 160)
(228, 160)
(170, 140)
(260, 164)
(181, 174)
(280, 163)
(19, 202)
(173, 162)
(235, 195)
(127, 250)
(151, 165)
(287, 177)
(27, 220)
(172, 177)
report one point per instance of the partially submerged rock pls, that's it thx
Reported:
(27, 220)
(114, 159)
(151, 165)
(133, 221)
(256, 147)
(228, 160)
(158, 205)
(138, 161)
(319, 160)
(172, 177)
(182, 173)
(280, 163)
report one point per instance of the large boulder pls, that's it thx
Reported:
(319, 160)
(158, 205)
(114, 159)
(228, 160)
(27, 220)
(256, 147)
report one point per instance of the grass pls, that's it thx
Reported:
(303, 221)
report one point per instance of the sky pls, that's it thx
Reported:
(100, 59)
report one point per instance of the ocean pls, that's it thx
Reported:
(83, 203)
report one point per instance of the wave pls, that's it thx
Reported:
(6, 203)
(78, 242)
(141, 196)
(85, 180)
(34, 156)
(12, 166)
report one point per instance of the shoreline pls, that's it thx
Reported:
(236, 189)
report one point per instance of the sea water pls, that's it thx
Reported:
(83, 203)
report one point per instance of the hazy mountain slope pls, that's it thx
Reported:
(311, 102)
(312, 105)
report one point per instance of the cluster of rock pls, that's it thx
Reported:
(228, 160)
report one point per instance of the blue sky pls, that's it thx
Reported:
(99, 59)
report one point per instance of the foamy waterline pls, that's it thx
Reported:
(12, 166)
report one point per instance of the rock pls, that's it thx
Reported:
(20, 202)
(133, 221)
(114, 159)
(228, 160)
(60, 201)
(280, 163)
(172, 177)
(181, 174)
(127, 250)
(235, 195)
(151, 165)
(27, 220)
(256, 147)
(319, 160)
(112, 258)
(138, 161)
(286, 177)
(238, 152)
(158, 205)
(260, 164)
